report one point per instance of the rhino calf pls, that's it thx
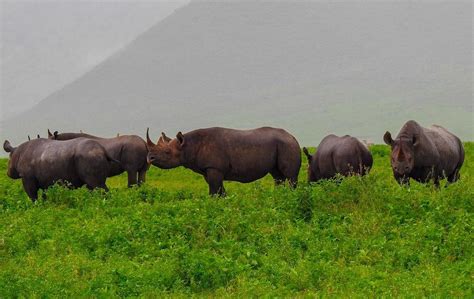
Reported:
(226, 154)
(130, 150)
(425, 154)
(344, 155)
(40, 163)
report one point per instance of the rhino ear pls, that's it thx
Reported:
(49, 134)
(148, 140)
(387, 137)
(8, 147)
(305, 151)
(38, 136)
(165, 138)
(180, 138)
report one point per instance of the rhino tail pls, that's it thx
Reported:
(110, 159)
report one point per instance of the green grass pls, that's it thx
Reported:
(362, 237)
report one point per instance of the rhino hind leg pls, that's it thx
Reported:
(97, 181)
(293, 181)
(278, 177)
(455, 176)
(215, 180)
(31, 188)
(289, 170)
(92, 186)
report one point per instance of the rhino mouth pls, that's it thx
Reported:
(404, 180)
(150, 159)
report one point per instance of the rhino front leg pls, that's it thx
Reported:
(31, 188)
(142, 174)
(215, 179)
(132, 177)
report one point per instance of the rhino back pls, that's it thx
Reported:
(335, 153)
(130, 150)
(448, 145)
(48, 161)
(244, 151)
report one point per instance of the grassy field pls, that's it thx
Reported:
(362, 237)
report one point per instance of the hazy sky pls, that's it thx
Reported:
(47, 44)
(313, 68)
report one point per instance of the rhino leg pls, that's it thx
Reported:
(96, 182)
(142, 175)
(132, 177)
(215, 180)
(278, 177)
(97, 186)
(293, 182)
(31, 188)
(289, 170)
(454, 176)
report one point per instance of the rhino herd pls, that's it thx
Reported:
(222, 154)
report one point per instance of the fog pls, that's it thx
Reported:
(313, 68)
(47, 44)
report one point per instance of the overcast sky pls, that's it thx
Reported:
(47, 44)
(311, 67)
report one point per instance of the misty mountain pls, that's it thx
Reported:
(47, 44)
(312, 68)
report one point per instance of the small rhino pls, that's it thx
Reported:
(344, 155)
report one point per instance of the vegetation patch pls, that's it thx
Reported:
(350, 237)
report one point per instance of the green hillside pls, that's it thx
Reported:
(363, 236)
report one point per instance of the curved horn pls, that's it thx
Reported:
(29, 138)
(148, 140)
(50, 134)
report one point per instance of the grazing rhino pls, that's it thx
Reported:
(130, 150)
(226, 154)
(42, 162)
(425, 154)
(344, 155)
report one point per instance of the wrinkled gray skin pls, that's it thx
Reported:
(344, 155)
(130, 150)
(40, 163)
(234, 155)
(425, 154)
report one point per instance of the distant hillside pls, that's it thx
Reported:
(312, 68)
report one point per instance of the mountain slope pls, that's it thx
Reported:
(312, 68)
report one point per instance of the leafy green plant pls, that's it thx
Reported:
(352, 237)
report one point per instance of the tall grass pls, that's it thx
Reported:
(360, 237)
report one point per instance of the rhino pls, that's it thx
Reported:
(344, 155)
(40, 163)
(220, 154)
(130, 150)
(425, 154)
